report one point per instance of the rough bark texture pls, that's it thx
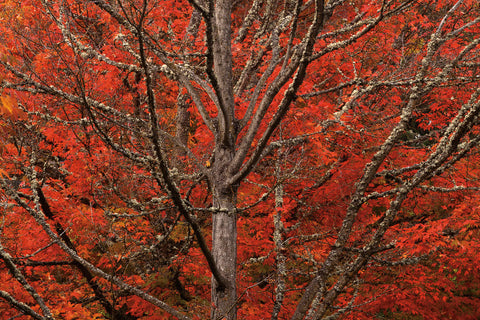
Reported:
(224, 251)
(224, 237)
(224, 229)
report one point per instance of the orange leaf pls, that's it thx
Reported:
(8, 104)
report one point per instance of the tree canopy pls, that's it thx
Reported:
(246, 159)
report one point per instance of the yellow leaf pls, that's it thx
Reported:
(9, 108)
(3, 173)
(8, 105)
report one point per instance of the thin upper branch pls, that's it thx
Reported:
(170, 185)
(301, 62)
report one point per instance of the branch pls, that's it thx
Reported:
(302, 63)
(22, 307)
(275, 59)
(39, 217)
(16, 273)
(162, 56)
(317, 285)
(32, 263)
(170, 185)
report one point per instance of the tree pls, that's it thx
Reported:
(137, 132)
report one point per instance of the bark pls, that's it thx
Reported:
(278, 234)
(224, 224)
(183, 115)
(224, 238)
(182, 125)
(222, 79)
(225, 254)
(89, 277)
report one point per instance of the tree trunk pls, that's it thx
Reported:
(224, 240)
(225, 254)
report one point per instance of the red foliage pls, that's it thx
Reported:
(76, 162)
